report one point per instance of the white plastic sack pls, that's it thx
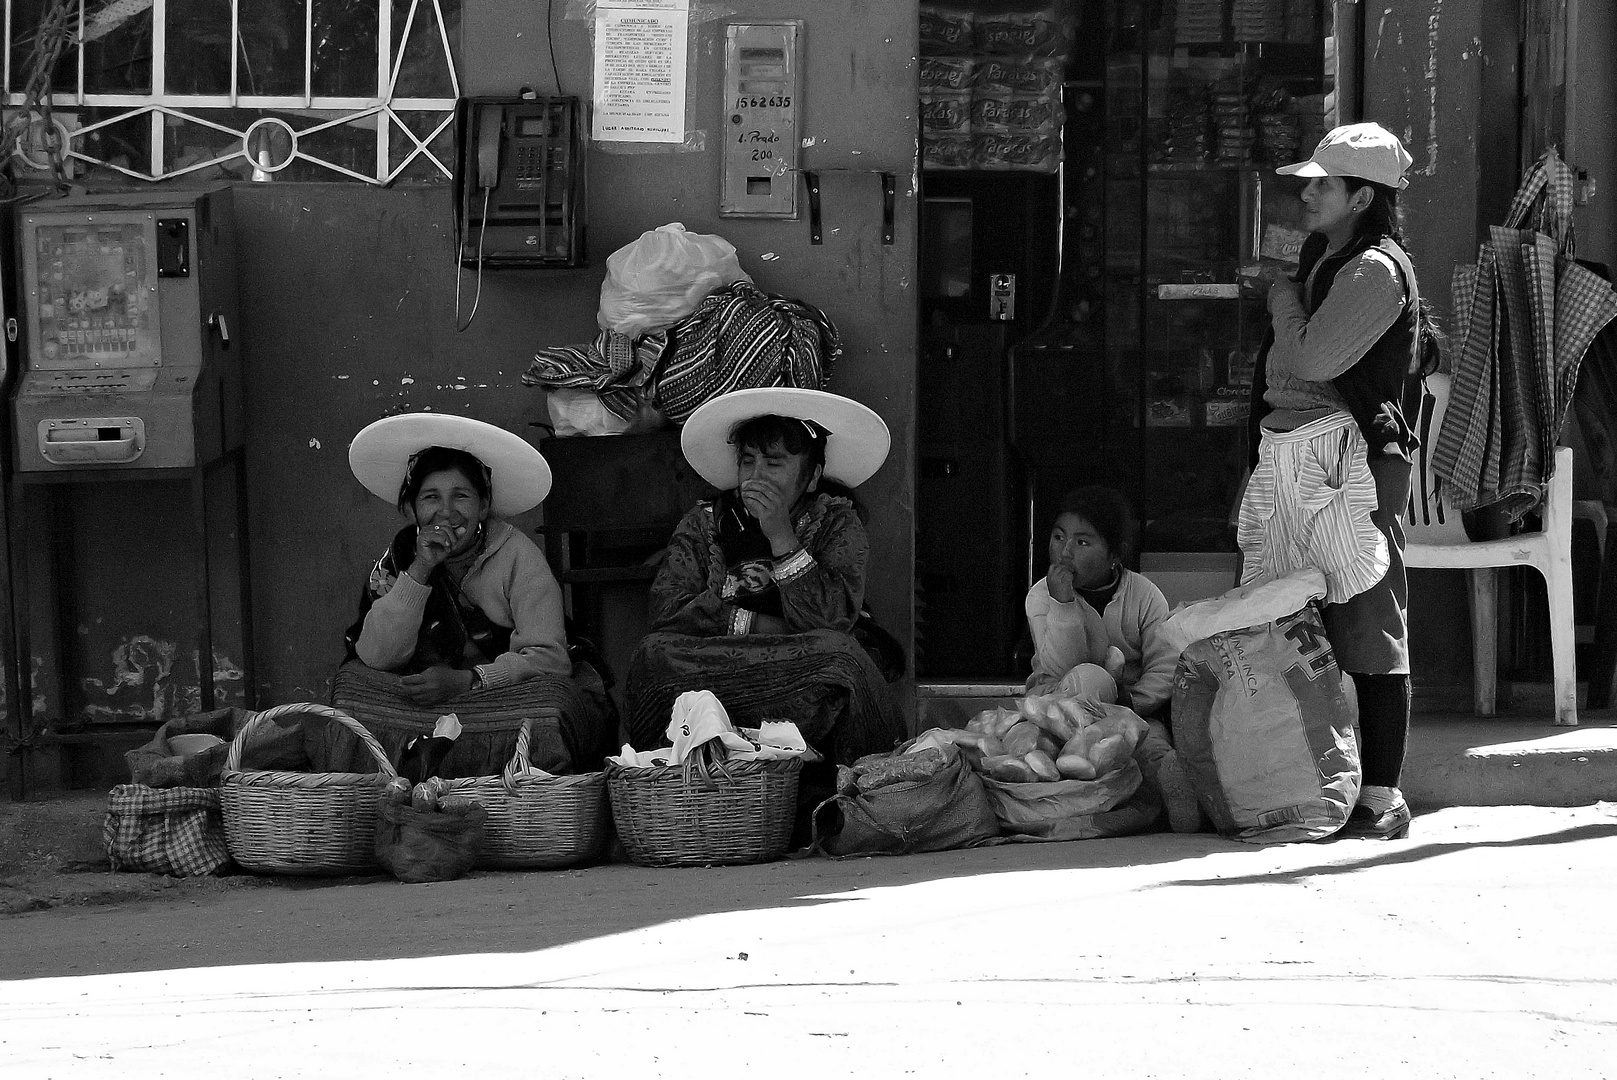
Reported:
(1260, 601)
(655, 281)
(581, 412)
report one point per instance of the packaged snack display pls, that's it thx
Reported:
(946, 112)
(946, 31)
(947, 73)
(998, 108)
(1022, 33)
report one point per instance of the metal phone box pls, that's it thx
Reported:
(763, 102)
(128, 310)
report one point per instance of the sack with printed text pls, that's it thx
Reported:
(1263, 722)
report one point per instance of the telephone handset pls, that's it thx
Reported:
(490, 126)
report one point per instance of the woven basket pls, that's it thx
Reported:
(725, 814)
(535, 820)
(302, 823)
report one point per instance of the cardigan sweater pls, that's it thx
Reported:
(510, 582)
(1133, 622)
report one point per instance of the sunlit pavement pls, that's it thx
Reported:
(1481, 947)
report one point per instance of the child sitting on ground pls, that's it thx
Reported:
(1096, 629)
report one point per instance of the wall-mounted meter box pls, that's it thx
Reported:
(763, 106)
(128, 303)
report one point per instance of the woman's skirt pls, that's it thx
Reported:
(821, 680)
(574, 723)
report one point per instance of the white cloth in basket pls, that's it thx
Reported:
(699, 717)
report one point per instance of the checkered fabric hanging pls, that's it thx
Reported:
(1527, 312)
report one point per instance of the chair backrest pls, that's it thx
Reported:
(1431, 518)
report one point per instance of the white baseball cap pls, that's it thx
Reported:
(1368, 151)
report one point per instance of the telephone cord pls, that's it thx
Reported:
(460, 251)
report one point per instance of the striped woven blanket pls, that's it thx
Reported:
(738, 337)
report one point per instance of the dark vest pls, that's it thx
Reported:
(1380, 390)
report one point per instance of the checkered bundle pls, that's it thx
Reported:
(165, 830)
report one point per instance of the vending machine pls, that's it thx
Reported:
(130, 375)
(128, 303)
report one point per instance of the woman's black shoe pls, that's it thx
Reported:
(1366, 824)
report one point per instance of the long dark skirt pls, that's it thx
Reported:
(822, 681)
(574, 724)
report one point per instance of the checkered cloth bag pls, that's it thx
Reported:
(178, 831)
(1527, 312)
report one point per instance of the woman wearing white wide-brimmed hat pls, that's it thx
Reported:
(462, 612)
(761, 597)
(1333, 401)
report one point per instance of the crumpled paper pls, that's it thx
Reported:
(699, 717)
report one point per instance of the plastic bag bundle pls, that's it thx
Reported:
(655, 281)
(925, 799)
(428, 844)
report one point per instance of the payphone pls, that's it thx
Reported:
(128, 302)
(520, 181)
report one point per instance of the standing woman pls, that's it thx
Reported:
(1333, 403)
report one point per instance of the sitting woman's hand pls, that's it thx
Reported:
(769, 503)
(436, 685)
(433, 543)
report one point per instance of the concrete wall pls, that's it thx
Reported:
(1442, 76)
(348, 315)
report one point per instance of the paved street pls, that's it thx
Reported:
(1482, 947)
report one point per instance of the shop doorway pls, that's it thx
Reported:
(1117, 158)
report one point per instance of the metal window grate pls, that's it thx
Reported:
(288, 127)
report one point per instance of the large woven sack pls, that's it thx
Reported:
(1110, 805)
(175, 830)
(948, 810)
(1263, 722)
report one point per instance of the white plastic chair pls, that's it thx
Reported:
(1437, 540)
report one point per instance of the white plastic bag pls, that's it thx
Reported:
(1256, 603)
(657, 280)
(581, 412)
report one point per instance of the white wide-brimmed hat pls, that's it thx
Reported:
(518, 474)
(1368, 151)
(856, 442)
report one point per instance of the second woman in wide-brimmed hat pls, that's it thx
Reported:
(761, 596)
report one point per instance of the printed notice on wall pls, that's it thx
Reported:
(640, 70)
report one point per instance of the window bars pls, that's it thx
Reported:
(158, 89)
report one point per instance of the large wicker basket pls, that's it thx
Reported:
(535, 820)
(694, 814)
(302, 823)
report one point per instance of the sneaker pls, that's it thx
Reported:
(1184, 812)
(1390, 824)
